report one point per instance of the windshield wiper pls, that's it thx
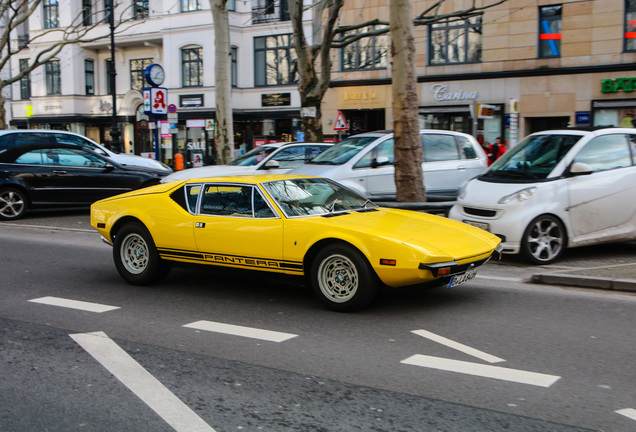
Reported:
(326, 162)
(518, 174)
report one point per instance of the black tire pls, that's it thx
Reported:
(342, 278)
(136, 257)
(544, 240)
(13, 203)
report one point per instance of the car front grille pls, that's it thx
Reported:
(479, 212)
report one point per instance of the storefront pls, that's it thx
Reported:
(365, 109)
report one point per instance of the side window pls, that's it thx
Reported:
(439, 147)
(192, 194)
(227, 200)
(6, 141)
(606, 152)
(34, 157)
(76, 141)
(77, 158)
(33, 138)
(261, 209)
(384, 149)
(467, 147)
(291, 157)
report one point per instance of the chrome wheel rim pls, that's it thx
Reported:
(545, 240)
(134, 253)
(338, 278)
(11, 204)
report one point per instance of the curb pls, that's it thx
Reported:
(585, 282)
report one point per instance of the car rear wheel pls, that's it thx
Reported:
(13, 203)
(136, 257)
(342, 278)
(544, 240)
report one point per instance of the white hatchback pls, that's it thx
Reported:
(557, 189)
(364, 163)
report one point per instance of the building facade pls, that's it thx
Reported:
(509, 70)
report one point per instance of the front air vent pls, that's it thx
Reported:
(479, 212)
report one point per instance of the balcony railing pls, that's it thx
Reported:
(269, 13)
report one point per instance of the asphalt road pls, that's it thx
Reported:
(225, 351)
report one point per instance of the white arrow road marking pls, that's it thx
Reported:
(74, 304)
(487, 371)
(141, 382)
(628, 412)
(460, 347)
(254, 333)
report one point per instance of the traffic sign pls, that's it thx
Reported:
(341, 122)
(172, 108)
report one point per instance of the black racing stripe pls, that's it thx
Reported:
(231, 260)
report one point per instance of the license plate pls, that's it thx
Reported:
(461, 278)
(482, 225)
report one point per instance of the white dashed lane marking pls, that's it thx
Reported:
(249, 332)
(141, 382)
(628, 412)
(458, 346)
(74, 304)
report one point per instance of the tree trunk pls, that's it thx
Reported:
(3, 113)
(224, 127)
(408, 144)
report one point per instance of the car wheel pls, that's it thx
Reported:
(342, 278)
(544, 240)
(136, 257)
(13, 203)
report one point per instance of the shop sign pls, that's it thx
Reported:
(360, 95)
(276, 99)
(443, 93)
(618, 84)
(583, 118)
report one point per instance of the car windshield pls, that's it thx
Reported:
(343, 151)
(315, 196)
(254, 156)
(534, 158)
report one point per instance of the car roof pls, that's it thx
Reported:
(11, 131)
(253, 178)
(19, 149)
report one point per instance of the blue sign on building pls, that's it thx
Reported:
(583, 118)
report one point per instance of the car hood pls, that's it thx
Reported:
(316, 170)
(420, 231)
(479, 193)
(210, 171)
(138, 161)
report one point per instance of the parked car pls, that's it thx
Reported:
(274, 158)
(10, 138)
(36, 176)
(557, 189)
(364, 163)
(312, 227)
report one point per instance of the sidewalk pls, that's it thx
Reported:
(618, 277)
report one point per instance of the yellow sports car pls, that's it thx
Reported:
(345, 245)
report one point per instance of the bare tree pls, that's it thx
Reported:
(14, 14)
(224, 127)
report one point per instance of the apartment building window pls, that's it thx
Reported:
(107, 7)
(192, 66)
(550, 31)
(234, 70)
(275, 61)
(190, 5)
(89, 76)
(137, 68)
(87, 12)
(50, 8)
(367, 53)
(53, 77)
(140, 9)
(25, 81)
(264, 11)
(231, 5)
(109, 69)
(630, 25)
(453, 42)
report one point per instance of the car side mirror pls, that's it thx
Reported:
(379, 161)
(109, 166)
(580, 168)
(271, 164)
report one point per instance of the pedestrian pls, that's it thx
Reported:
(496, 150)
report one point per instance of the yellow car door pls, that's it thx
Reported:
(235, 226)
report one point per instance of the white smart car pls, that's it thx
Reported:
(557, 189)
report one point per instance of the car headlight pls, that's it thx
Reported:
(518, 196)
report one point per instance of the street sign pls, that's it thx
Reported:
(172, 108)
(158, 100)
(341, 122)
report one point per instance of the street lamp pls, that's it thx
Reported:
(115, 143)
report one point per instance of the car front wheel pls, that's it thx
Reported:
(13, 204)
(544, 240)
(342, 278)
(136, 257)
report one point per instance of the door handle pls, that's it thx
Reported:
(461, 168)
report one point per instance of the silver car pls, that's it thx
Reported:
(364, 163)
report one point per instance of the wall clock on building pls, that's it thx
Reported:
(155, 74)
